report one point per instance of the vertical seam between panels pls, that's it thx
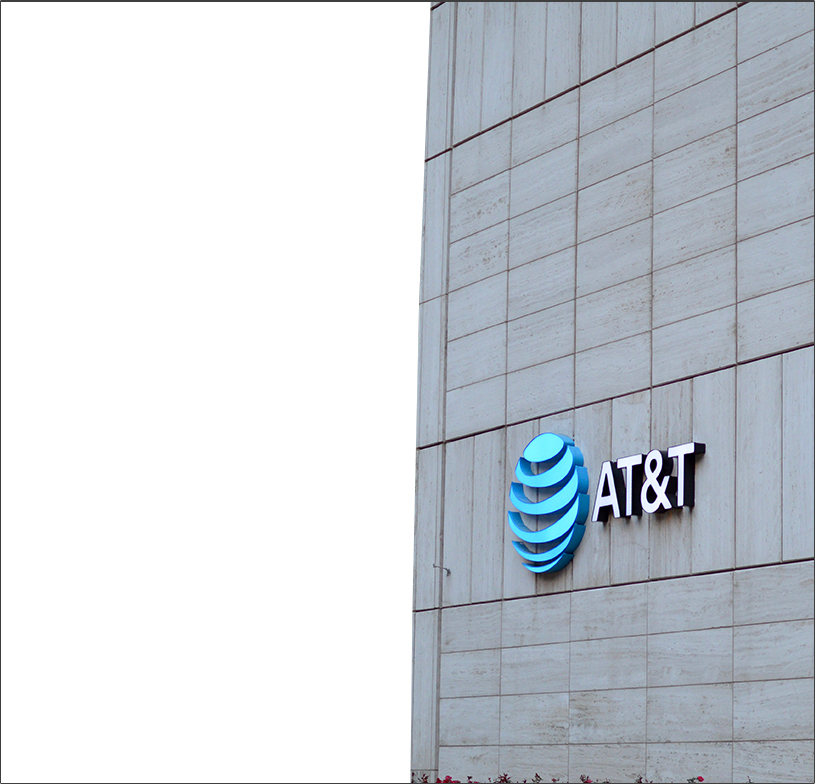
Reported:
(451, 75)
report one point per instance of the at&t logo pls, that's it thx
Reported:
(552, 469)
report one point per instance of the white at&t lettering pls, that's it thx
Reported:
(646, 483)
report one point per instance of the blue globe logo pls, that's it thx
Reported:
(552, 468)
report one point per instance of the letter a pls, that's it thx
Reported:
(610, 492)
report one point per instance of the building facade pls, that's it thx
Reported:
(618, 248)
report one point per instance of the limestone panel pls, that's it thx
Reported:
(496, 95)
(615, 716)
(616, 663)
(617, 94)
(695, 286)
(468, 721)
(534, 719)
(695, 345)
(774, 593)
(713, 523)
(479, 256)
(530, 55)
(690, 713)
(537, 390)
(612, 761)
(430, 415)
(630, 434)
(618, 201)
(773, 710)
(425, 692)
(562, 48)
(436, 224)
(426, 582)
(612, 369)
(545, 128)
(694, 228)
(481, 158)
(619, 611)
(790, 248)
(480, 206)
(535, 669)
(488, 522)
(678, 761)
(702, 602)
(468, 70)
(476, 407)
(685, 658)
(694, 57)
(776, 76)
(540, 337)
(707, 11)
(542, 231)
(672, 19)
(798, 523)
(692, 114)
(543, 179)
(670, 531)
(541, 284)
(613, 313)
(477, 306)
(526, 761)
(470, 673)
(694, 170)
(775, 198)
(458, 762)
(764, 26)
(758, 462)
(458, 521)
(776, 137)
(779, 760)
(777, 321)
(635, 29)
(476, 357)
(471, 628)
(439, 92)
(598, 39)
(535, 621)
(615, 257)
(773, 650)
(617, 147)
(592, 435)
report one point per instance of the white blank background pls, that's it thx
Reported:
(211, 247)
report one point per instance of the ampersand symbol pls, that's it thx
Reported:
(658, 467)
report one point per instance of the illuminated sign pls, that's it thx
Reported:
(551, 468)
(645, 483)
(552, 502)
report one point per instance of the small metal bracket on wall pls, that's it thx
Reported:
(436, 566)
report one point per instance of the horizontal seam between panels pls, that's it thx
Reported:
(728, 366)
(619, 585)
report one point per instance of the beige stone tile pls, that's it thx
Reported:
(690, 713)
(773, 710)
(468, 721)
(701, 602)
(471, 628)
(758, 462)
(616, 716)
(685, 658)
(774, 593)
(619, 611)
(470, 674)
